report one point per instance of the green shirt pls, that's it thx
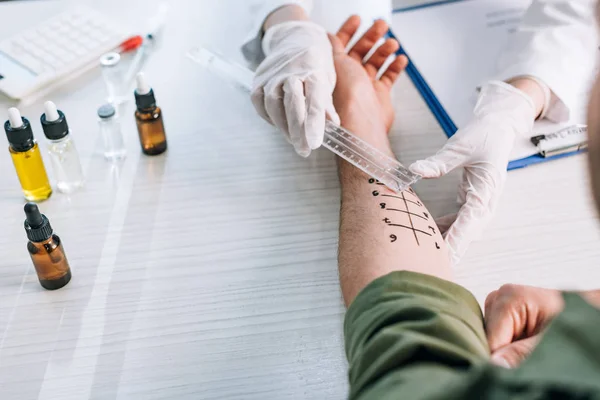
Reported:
(411, 336)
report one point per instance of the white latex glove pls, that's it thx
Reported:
(293, 87)
(483, 148)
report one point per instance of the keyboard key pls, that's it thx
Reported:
(64, 29)
(40, 42)
(91, 44)
(57, 51)
(31, 63)
(29, 47)
(79, 50)
(68, 57)
(14, 49)
(55, 63)
(30, 35)
(48, 58)
(98, 36)
(55, 25)
(78, 22)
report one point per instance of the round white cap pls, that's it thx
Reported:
(14, 116)
(141, 85)
(51, 111)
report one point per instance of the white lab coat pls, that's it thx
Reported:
(556, 43)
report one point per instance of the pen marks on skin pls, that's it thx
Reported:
(407, 212)
(415, 230)
(376, 182)
(403, 207)
(417, 203)
(412, 226)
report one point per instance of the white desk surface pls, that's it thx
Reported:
(210, 272)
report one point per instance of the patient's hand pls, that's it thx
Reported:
(363, 102)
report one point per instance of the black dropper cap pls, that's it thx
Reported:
(37, 225)
(144, 95)
(55, 130)
(145, 101)
(21, 138)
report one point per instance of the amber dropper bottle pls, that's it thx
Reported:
(26, 157)
(46, 250)
(148, 118)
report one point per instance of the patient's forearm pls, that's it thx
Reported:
(287, 13)
(382, 231)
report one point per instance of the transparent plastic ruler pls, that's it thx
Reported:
(356, 151)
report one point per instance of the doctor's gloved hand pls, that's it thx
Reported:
(483, 148)
(293, 87)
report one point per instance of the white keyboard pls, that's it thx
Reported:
(59, 47)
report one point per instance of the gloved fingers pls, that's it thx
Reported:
(318, 101)
(258, 101)
(368, 40)
(465, 229)
(275, 107)
(295, 111)
(480, 193)
(463, 188)
(444, 223)
(450, 157)
(332, 114)
(394, 70)
(348, 30)
(380, 56)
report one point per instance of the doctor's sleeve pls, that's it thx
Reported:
(557, 43)
(252, 46)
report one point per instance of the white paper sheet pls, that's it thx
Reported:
(456, 46)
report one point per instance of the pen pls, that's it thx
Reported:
(564, 141)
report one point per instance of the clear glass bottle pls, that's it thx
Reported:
(110, 129)
(66, 165)
(63, 154)
(114, 78)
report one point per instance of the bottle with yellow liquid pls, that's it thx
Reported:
(26, 157)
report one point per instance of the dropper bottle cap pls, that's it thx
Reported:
(144, 95)
(54, 122)
(37, 226)
(18, 131)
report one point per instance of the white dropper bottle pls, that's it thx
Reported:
(63, 154)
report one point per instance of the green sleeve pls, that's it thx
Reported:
(411, 330)
(412, 336)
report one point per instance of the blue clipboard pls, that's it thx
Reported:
(440, 114)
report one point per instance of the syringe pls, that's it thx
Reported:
(337, 139)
